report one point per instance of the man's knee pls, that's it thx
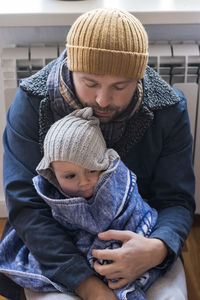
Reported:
(171, 286)
(167, 293)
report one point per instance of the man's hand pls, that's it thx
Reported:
(94, 288)
(136, 255)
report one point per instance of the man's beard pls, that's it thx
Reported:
(113, 110)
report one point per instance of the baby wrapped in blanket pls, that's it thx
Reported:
(89, 190)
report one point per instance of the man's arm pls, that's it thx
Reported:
(172, 194)
(173, 182)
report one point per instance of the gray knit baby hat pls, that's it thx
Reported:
(76, 138)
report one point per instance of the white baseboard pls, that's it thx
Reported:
(3, 209)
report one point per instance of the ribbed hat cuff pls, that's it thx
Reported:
(106, 62)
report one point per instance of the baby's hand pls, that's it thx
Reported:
(94, 288)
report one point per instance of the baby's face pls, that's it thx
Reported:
(74, 180)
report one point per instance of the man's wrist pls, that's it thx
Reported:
(167, 260)
(159, 251)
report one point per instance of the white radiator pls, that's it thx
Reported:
(178, 63)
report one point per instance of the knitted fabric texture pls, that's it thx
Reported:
(108, 41)
(76, 138)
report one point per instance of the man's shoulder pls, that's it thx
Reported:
(158, 94)
(36, 84)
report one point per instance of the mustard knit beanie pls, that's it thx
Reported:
(76, 138)
(108, 42)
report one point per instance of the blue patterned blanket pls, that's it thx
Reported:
(116, 204)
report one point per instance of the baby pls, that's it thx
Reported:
(89, 190)
(75, 154)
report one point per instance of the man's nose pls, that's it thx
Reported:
(103, 98)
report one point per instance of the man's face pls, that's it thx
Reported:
(107, 95)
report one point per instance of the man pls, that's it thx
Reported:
(142, 118)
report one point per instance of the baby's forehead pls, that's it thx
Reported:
(66, 166)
